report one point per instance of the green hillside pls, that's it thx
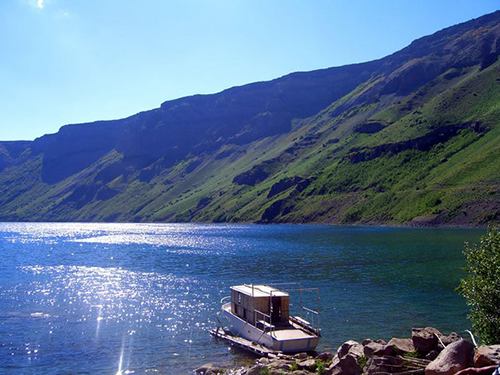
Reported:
(411, 139)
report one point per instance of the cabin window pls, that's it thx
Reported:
(239, 297)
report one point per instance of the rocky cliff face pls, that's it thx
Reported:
(359, 140)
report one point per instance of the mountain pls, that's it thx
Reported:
(412, 138)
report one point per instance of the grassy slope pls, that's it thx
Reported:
(455, 182)
(454, 179)
(441, 183)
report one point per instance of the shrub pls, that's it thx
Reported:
(413, 354)
(320, 367)
(362, 361)
(481, 288)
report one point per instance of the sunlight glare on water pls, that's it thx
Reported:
(139, 298)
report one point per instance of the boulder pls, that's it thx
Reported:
(307, 364)
(279, 364)
(325, 356)
(432, 355)
(425, 339)
(208, 369)
(256, 370)
(487, 355)
(455, 357)
(387, 364)
(347, 365)
(488, 370)
(376, 349)
(300, 356)
(352, 347)
(403, 345)
(452, 337)
(379, 341)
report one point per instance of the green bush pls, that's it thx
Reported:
(481, 288)
(413, 354)
(320, 367)
(362, 361)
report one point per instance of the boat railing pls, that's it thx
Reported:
(225, 299)
(267, 318)
(304, 324)
(310, 313)
(312, 324)
(265, 321)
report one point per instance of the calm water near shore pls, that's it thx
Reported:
(139, 298)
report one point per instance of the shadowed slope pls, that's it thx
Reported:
(410, 138)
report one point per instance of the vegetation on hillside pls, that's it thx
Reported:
(412, 139)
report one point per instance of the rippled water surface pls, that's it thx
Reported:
(139, 298)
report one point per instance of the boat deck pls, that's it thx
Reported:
(247, 344)
(282, 331)
(290, 334)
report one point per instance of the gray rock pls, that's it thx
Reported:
(379, 341)
(352, 347)
(279, 364)
(255, 370)
(452, 337)
(325, 356)
(208, 369)
(300, 356)
(425, 339)
(387, 364)
(307, 364)
(432, 355)
(455, 357)
(348, 365)
(488, 370)
(375, 349)
(487, 355)
(403, 345)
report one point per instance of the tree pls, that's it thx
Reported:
(481, 288)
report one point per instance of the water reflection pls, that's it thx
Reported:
(123, 298)
(114, 294)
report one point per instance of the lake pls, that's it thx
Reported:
(139, 298)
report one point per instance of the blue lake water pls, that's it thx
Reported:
(139, 298)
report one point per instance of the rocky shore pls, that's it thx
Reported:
(427, 351)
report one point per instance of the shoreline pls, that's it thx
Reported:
(327, 224)
(427, 351)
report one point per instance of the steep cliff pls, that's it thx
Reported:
(412, 138)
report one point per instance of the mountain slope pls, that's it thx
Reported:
(412, 138)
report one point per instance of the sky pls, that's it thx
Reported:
(75, 61)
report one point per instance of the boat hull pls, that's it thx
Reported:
(271, 340)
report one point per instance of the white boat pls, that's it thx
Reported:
(261, 315)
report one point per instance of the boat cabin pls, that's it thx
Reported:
(260, 305)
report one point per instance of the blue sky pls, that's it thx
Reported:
(73, 61)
